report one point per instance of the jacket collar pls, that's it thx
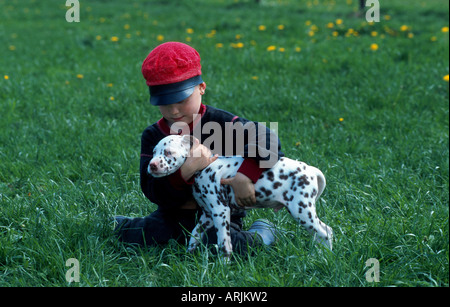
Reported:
(165, 128)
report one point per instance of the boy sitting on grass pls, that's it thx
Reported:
(173, 73)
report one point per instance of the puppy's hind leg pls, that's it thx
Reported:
(305, 213)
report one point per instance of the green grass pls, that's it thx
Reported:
(69, 146)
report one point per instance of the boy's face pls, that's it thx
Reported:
(184, 110)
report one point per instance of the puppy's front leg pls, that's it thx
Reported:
(222, 222)
(199, 230)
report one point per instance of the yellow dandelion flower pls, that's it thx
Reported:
(160, 38)
(281, 49)
(298, 49)
(280, 27)
(80, 76)
(297, 144)
(219, 45)
(126, 27)
(67, 82)
(12, 47)
(330, 25)
(311, 33)
(255, 77)
(211, 34)
(114, 39)
(189, 30)
(335, 33)
(433, 38)
(262, 28)
(339, 21)
(341, 119)
(238, 36)
(271, 48)
(98, 37)
(237, 45)
(410, 35)
(404, 28)
(387, 17)
(374, 33)
(308, 23)
(374, 47)
(111, 98)
(444, 30)
(109, 85)
(188, 39)
(6, 77)
(445, 78)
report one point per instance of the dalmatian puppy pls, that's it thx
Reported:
(290, 184)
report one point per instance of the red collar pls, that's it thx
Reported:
(164, 127)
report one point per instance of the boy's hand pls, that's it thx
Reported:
(199, 159)
(244, 189)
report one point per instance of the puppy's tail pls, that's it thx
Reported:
(321, 182)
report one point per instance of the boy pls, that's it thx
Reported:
(173, 73)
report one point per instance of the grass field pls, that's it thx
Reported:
(367, 103)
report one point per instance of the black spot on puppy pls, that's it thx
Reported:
(276, 185)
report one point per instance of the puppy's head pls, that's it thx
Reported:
(169, 154)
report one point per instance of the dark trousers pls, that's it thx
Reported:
(161, 226)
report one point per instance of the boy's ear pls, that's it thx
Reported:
(202, 87)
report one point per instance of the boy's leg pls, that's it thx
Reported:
(240, 240)
(157, 228)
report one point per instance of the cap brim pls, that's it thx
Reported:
(163, 100)
(173, 93)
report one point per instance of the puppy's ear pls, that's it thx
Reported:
(191, 140)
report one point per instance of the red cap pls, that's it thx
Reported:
(171, 62)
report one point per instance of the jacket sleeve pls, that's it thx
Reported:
(167, 192)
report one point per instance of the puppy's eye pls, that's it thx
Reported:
(167, 153)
